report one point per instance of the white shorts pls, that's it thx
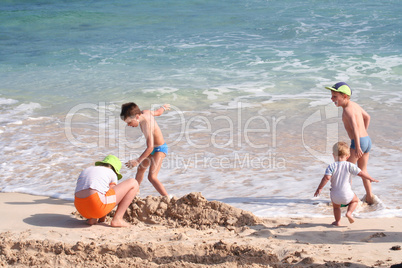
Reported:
(342, 198)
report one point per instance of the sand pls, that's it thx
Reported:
(188, 232)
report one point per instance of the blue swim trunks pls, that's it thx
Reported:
(365, 144)
(162, 148)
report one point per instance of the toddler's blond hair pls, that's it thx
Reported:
(341, 149)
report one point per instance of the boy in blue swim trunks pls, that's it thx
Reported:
(156, 149)
(356, 122)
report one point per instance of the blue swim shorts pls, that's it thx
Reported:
(162, 148)
(365, 144)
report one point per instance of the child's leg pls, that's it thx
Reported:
(337, 214)
(362, 164)
(142, 168)
(156, 165)
(353, 158)
(352, 206)
(125, 193)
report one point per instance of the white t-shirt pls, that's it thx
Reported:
(97, 178)
(341, 175)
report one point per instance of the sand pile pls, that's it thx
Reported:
(130, 254)
(187, 232)
(191, 210)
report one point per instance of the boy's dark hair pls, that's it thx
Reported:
(129, 110)
(107, 165)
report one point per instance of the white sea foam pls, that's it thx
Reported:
(12, 114)
(4, 101)
(224, 175)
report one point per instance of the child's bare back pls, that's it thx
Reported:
(353, 119)
(149, 126)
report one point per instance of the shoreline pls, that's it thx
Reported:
(43, 231)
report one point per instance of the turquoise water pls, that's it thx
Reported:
(226, 67)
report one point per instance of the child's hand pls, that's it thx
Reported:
(359, 153)
(166, 107)
(366, 176)
(317, 193)
(132, 163)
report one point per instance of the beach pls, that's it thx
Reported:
(40, 231)
(249, 132)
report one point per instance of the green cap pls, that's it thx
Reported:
(341, 87)
(114, 162)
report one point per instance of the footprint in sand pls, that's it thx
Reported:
(376, 235)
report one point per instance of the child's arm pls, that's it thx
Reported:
(147, 131)
(366, 119)
(160, 111)
(364, 175)
(324, 181)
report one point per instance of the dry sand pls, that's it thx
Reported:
(188, 232)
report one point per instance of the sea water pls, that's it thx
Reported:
(251, 122)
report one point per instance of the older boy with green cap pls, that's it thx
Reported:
(356, 122)
(97, 192)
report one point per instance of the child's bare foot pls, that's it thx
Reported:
(336, 223)
(92, 221)
(119, 223)
(103, 219)
(350, 218)
(369, 199)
